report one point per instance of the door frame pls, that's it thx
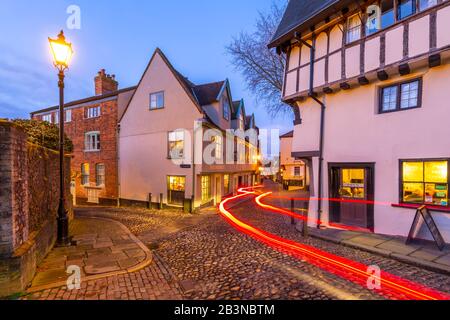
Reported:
(334, 207)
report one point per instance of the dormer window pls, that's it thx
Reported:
(353, 28)
(226, 109)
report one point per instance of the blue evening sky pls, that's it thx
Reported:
(120, 36)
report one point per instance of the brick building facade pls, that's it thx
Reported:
(91, 124)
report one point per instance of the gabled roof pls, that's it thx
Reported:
(302, 14)
(208, 93)
(184, 82)
(238, 107)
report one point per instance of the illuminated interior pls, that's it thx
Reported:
(425, 182)
(353, 185)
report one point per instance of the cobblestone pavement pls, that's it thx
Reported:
(211, 260)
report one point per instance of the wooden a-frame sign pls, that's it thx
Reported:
(431, 224)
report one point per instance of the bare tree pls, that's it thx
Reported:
(262, 68)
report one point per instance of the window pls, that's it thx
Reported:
(406, 8)
(297, 171)
(387, 13)
(157, 100)
(219, 147)
(425, 4)
(373, 19)
(100, 174)
(241, 152)
(353, 28)
(226, 184)
(47, 118)
(92, 141)
(57, 117)
(93, 112)
(401, 96)
(206, 189)
(68, 116)
(85, 174)
(226, 109)
(241, 122)
(176, 145)
(425, 182)
(353, 184)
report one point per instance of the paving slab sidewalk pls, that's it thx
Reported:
(101, 248)
(420, 253)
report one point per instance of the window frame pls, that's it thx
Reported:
(226, 109)
(204, 183)
(358, 16)
(169, 155)
(163, 100)
(94, 115)
(399, 85)
(85, 175)
(48, 118)
(97, 175)
(68, 119)
(401, 181)
(218, 151)
(97, 141)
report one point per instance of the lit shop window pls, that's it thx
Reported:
(206, 189)
(226, 183)
(85, 174)
(425, 182)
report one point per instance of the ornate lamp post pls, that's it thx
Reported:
(62, 53)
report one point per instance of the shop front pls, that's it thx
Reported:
(351, 194)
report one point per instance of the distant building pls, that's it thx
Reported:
(293, 173)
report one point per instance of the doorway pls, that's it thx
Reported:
(176, 190)
(218, 190)
(351, 189)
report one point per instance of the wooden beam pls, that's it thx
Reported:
(404, 69)
(434, 60)
(382, 75)
(344, 86)
(363, 81)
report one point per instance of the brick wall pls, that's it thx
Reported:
(106, 124)
(29, 189)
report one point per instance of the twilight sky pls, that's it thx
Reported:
(120, 36)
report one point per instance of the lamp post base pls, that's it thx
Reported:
(63, 227)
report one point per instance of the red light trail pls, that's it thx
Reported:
(391, 285)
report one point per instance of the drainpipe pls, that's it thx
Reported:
(313, 96)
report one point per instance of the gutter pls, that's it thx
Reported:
(313, 96)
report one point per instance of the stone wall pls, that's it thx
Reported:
(29, 195)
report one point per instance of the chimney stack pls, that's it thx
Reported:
(105, 83)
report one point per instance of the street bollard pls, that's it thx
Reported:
(305, 221)
(150, 201)
(292, 210)
(161, 201)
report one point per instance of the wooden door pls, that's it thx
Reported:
(353, 195)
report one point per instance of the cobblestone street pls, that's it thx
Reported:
(205, 258)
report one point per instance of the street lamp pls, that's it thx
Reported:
(62, 53)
